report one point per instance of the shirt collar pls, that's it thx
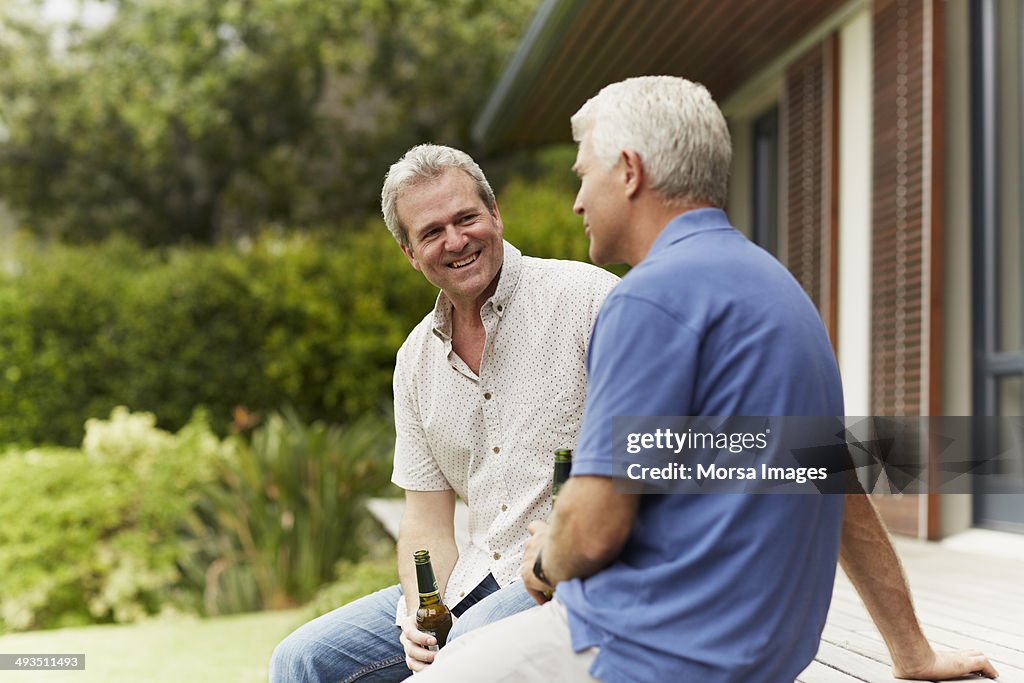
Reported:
(690, 223)
(508, 280)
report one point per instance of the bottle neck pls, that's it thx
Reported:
(563, 468)
(427, 584)
(562, 471)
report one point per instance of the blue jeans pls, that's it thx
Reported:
(359, 642)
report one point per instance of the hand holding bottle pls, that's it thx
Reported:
(417, 644)
(425, 632)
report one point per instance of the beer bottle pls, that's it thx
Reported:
(432, 616)
(563, 466)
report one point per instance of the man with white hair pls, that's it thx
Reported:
(710, 588)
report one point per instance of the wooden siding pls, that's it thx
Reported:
(906, 218)
(810, 144)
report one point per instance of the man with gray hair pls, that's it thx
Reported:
(486, 387)
(711, 588)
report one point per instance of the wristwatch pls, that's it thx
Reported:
(538, 570)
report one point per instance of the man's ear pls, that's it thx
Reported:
(497, 218)
(410, 256)
(632, 172)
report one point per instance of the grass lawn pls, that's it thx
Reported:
(232, 649)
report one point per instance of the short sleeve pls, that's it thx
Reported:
(415, 468)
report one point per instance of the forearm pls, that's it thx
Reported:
(867, 556)
(430, 527)
(588, 529)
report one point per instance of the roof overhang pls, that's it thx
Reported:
(573, 48)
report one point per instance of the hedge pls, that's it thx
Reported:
(311, 322)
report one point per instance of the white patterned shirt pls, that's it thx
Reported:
(491, 437)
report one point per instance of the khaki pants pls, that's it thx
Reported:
(532, 646)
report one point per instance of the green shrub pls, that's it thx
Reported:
(285, 507)
(314, 323)
(140, 520)
(93, 535)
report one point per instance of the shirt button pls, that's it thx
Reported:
(497, 556)
(487, 396)
(500, 307)
(504, 507)
(497, 449)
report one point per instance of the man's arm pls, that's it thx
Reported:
(589, 526)
(428, 522)
(867, 556)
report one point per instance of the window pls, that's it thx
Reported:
(998, 245)
(765, 181)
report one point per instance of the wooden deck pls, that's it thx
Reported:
(968, 590)
(969, 593)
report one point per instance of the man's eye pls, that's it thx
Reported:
(468, 218)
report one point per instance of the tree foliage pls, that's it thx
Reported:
(190, 120)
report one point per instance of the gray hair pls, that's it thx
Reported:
(674, 126)
(426, 162)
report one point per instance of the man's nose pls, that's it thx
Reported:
(454, 238)
(577, 205)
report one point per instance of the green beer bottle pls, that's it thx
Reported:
(563, 466)
(432, 616)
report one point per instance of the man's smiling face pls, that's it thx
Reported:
(454, 238)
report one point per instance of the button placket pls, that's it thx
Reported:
(491, 408)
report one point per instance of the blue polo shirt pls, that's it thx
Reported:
(708, 588)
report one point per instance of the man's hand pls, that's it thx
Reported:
(538, 590)
(416, 642)
(948, 664)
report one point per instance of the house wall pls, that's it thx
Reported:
(854, 310)
(741, 113)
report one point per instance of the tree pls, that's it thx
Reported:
(193, 120)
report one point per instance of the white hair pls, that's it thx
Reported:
(426, 162)
(673, 125)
